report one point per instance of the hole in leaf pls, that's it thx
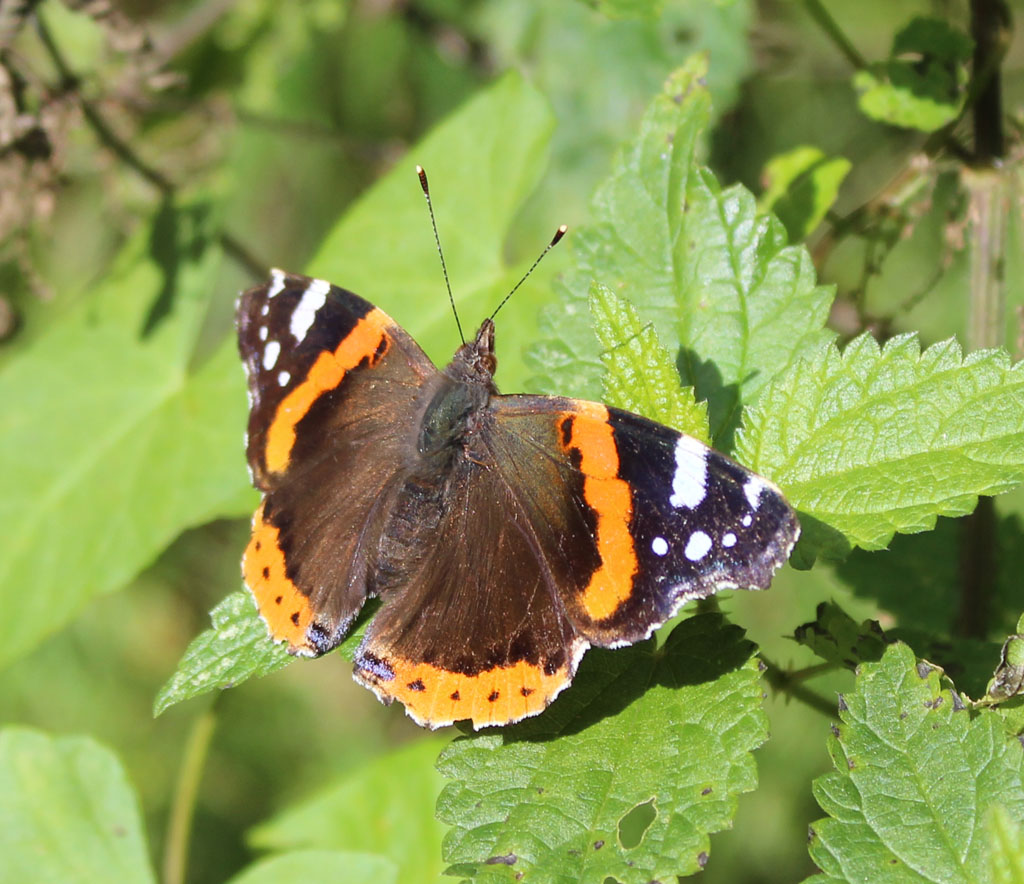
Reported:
(634, 824)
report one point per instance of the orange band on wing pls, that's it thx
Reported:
(367, 337)
(435, 697)
(285, 610)
(611, 501)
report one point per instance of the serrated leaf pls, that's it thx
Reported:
(68, 814)
(802, 185)
(237, 648)
(874, 441)
(837, 638)
(727, 296)
(1005, 847)
(639, 374)
(568, 796)
(112, 441)
(382, 807)
(304, 866)
(915, 776)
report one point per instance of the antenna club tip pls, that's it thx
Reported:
(423, 177)
(559, 234)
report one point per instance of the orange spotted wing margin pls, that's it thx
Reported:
(333, 385)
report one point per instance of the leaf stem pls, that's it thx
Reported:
(788, 683)
(824, 20)
(179, 826)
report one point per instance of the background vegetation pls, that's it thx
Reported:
(156, 158)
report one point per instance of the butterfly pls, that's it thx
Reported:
(504, 534)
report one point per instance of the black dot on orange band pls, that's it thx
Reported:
(493, 696)
(416, 685)
(259, 546)
(526, 691)
(295, 618)
(566, 428)
(278, 599)
(266, 573)
(455, 696)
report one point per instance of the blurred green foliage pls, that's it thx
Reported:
(153, 159)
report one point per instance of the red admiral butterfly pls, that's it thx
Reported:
(505, 534)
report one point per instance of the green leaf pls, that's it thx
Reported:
(237, 648)
(802, 185)
(924, 91)
(68, 814)
(1008, 679)
(380, 808)
(490, 152)
(582, 791)
(874, 441)
(915, 776)
(730, 300)
(112, 440)
(303, 866)
(640, 375)
(1005, 847)
(837, 638)
(482, 163)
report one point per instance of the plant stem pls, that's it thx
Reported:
(824, 20)
(989, 206)
(787, 683)
(179, 826)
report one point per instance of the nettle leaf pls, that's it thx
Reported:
(625, 776)
(873, 440)
(68, 814)
(729, 299)
(640, 376)
(915, 778)
(379, 807)
(112, 440)
(802, 185)
(237, 648)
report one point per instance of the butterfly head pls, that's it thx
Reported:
(474, 362)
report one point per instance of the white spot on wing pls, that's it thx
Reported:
(690, 479)
(728, 539)
(283, 378)
(270, 355)
(753, 488)
(697, 546)
(747, 519)
(276, 285)
(313, 298)
(659, 546)
(263, 332)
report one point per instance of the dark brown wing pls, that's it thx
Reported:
(474, 631)
(333, 385)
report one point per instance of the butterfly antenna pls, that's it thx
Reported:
(554, 242)
(440, 254)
